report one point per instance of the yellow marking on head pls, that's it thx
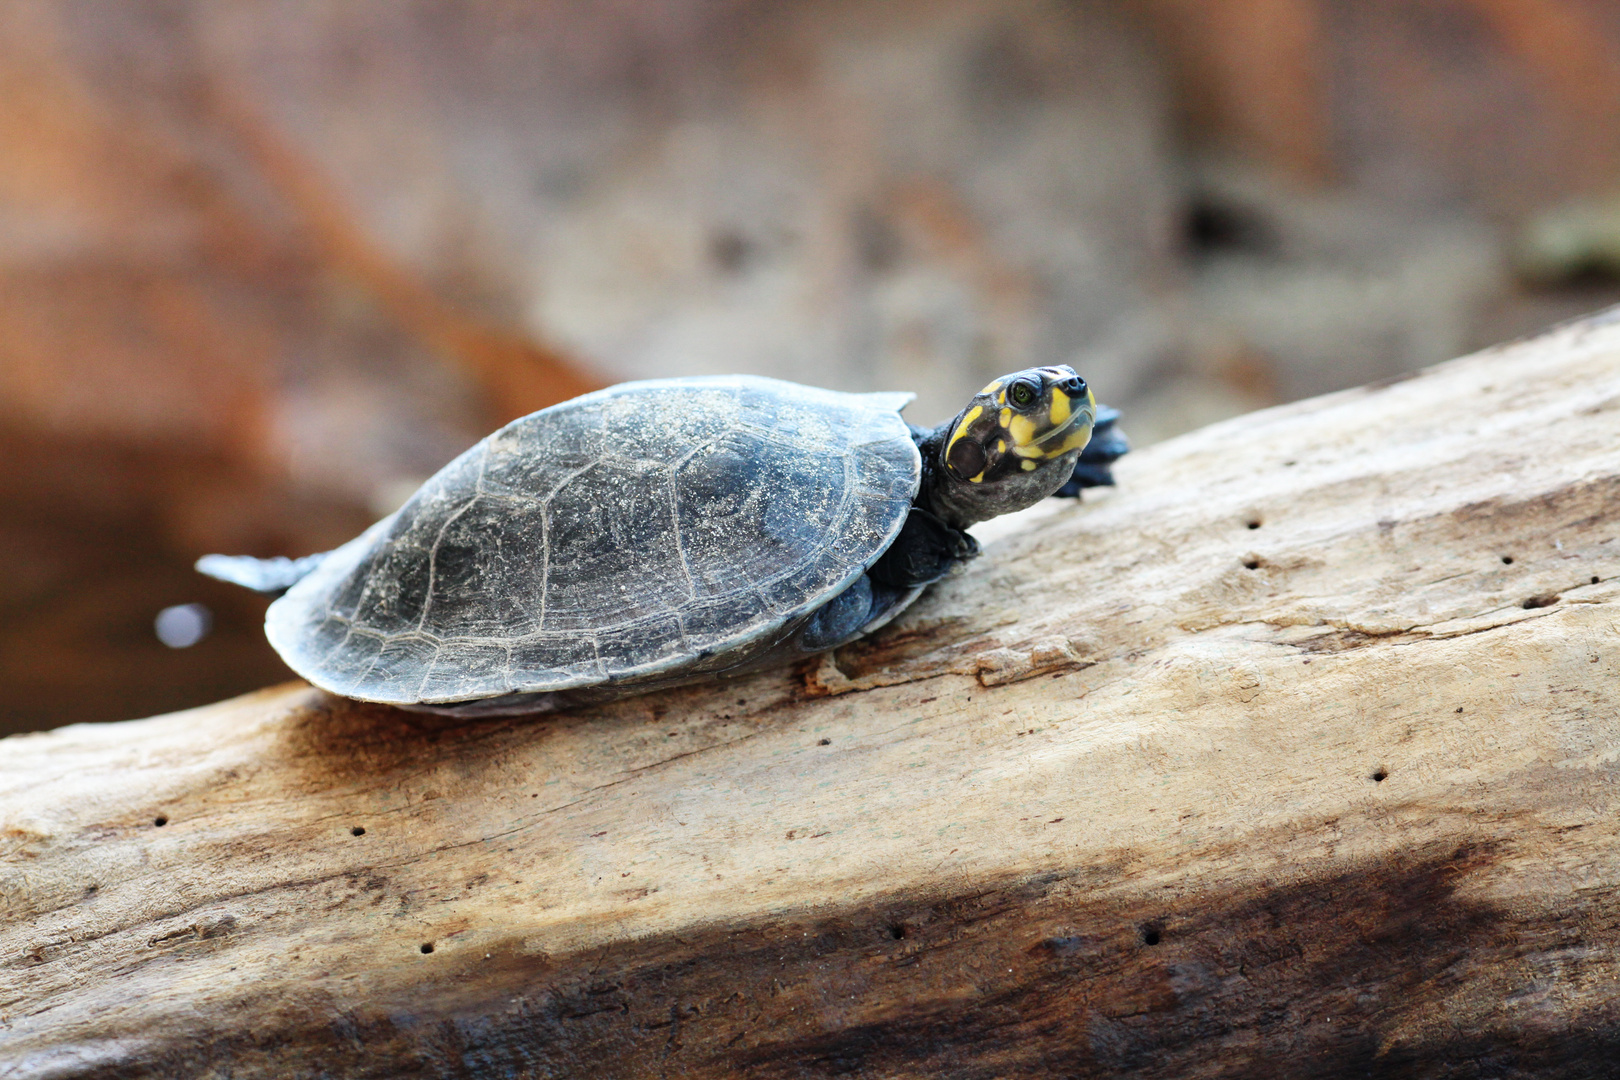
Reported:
(1027, 465)
(976, 479)
(1076, 440)
(961, 429)
(1006, 417)
(992, 388)
(1062, 417)
(1001, 446)
(1081, 435)
(1022, 429)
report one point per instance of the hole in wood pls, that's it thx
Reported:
(897, 931)
(1542, 600)
(1507, 560)
(730, 251)
(1380, 776)
(824, 742)
(1251, 564)
(1596, 579)
(358, 830)
(1252, 523)
(160, 821)
(427, 947)
(1152, 933)
(1211, 227)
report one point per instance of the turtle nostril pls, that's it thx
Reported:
(1073, 387)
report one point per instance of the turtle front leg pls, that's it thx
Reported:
(924, 552)
(1108, 444)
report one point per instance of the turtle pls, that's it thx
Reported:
(668, 531)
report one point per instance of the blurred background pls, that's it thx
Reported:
(265, 266)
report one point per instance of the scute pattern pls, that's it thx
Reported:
(481, 582)
(611, 530)
(619, 536)
(737, 487)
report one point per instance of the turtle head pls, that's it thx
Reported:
(1015, 443)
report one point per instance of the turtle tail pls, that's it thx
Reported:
(274, 576)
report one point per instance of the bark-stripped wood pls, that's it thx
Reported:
(1298, 754)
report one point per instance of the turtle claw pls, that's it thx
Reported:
(1094, 469)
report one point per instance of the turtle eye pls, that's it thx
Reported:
(1023, 393)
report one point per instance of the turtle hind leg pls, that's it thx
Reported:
(1094, 469)
(274, 576)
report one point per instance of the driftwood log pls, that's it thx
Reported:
(1296, 755)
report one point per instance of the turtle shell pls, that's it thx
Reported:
(623, 536)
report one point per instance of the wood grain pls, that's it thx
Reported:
(1298, 754)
